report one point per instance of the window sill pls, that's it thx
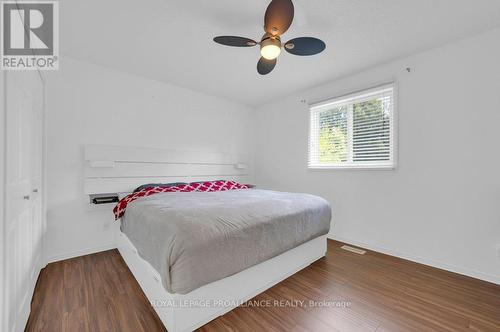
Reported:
(354, 167)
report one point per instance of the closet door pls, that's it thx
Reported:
(23, 228)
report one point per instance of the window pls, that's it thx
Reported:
(354, 131)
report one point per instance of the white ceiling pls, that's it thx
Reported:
(171, 41)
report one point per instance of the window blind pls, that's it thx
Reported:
(354, 131)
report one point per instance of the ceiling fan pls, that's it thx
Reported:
(278, 18)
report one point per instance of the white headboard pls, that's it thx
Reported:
(119, 169)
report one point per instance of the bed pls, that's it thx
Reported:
(198, 255)
(194, 238)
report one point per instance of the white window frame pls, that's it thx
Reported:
(316, 108)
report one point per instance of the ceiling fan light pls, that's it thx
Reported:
(270, 52)
(270, 48)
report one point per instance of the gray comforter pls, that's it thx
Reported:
(195, 238)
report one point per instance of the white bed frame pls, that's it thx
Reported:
(112, 169)
(221, 296)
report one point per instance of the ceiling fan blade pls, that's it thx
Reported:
(265, 66)
(235, 41)
(279, 17)
(305, 46)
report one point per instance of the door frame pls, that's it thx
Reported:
(44, 167)
(3, 104)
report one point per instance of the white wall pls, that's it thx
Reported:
(88, 104)
(442, 204)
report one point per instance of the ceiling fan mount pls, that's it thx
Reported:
(278, 18)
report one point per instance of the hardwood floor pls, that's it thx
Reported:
(371, 292)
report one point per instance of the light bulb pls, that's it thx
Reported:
(270, 47)
(270, 52)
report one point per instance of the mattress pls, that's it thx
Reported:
(194, 238)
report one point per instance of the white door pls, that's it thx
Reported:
(23, 224)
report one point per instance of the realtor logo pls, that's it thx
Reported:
(30, 38)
